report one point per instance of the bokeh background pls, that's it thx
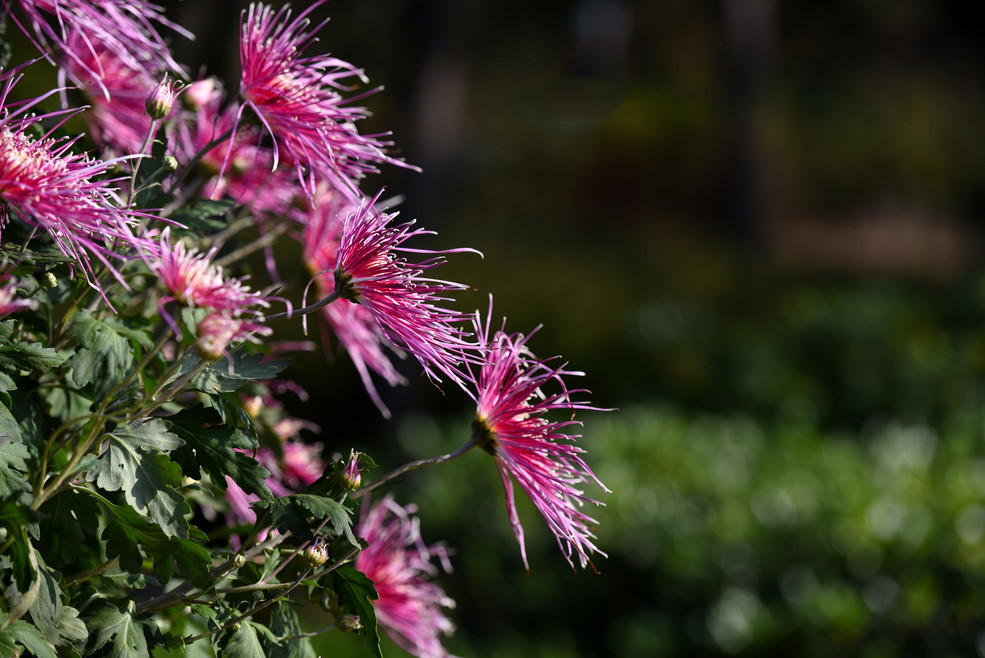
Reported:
(756, 226)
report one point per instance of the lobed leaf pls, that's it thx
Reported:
(211, 446)
(356, 593)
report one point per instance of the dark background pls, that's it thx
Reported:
(756, 226)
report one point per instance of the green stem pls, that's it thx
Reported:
(151, 131)
(406, 468)
(303, 311)
(261, 242)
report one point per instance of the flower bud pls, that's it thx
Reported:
(161, 99)
(316, 554)
(170, 163)
(48, 280)
(348, 623)
(215, 331)
(351, 477)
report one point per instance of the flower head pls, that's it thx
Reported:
(409, 606)
(10, 301)
(241, 168)
(354, 325)
(298, 100)
(125, 28)
(371, 272)
(48, 186)
(512, 400)
(218, 329)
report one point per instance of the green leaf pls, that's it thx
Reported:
(13, 463)
(22, 634)
(205, 215)
(284, 623)
(16, 356)
(233, 371)
(59, 623)
(211, 446)
(286, 513)
(242, 642)
(126, 632)
(9, 429)
(72, 527)
(356, 593)
(127, 532)
(105, 353)
(134, 463)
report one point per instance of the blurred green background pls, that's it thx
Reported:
(756, 226)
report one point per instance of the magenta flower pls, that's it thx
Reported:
(217, 330)
(242, 168)
(125, 28)
(409, 607)
(298, 100)
(116, 89)
(195, 281)
(370, 272)
(10, 300)
(47, 186)
(353, 324)
(300, 465)
(512, 398)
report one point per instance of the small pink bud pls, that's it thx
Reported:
(316, 554)
(161, 100)
(351, 477)
(215, 331)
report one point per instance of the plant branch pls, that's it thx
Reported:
(406, 468)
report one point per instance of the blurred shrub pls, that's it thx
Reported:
(730, 535)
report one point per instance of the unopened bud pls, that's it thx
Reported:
(348, 623)
(161, 99)
(170, 163)
(239, 560)
(351, 477)
(316, 554)
(215, 331)
(48, 280)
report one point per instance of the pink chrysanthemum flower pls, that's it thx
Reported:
(409, 607)
(369, 271)
(217, 330)
(115, 88)
(10, 299)
(241, 168)
(297, 99)
(195, 281)
(46, 185)
(300, 465)
(125, 28)
(353, 324)
(512, 400)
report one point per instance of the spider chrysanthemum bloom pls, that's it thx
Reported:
(353, 325)
(409, 606)
(195, 281)
(126, 28)
(371, 271)
(298, 100)
(11, 297)
(512, 400)
(48, 186)
(242, 168)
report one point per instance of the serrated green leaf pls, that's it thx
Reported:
(287, 514)
(284, 623)
(233, 371)
(133, 462)
(72, 526)
(10, 431)
(211, 446)
(59, 623)
(20, 633)
(243, 642)
(127, 532)
(126, 632)
(13, 463)
(16, 356)
(356, 593)
(104, 355)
